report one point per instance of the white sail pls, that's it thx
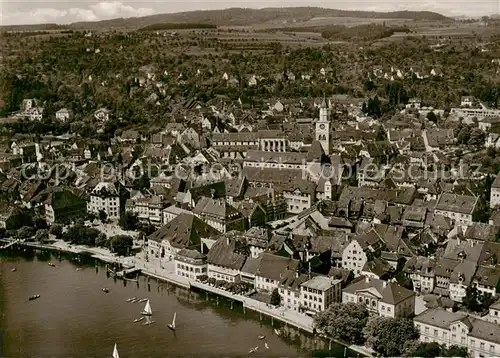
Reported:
(173, 321)
(115, 352)
(147, 308)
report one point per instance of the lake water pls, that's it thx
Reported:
(74, 318)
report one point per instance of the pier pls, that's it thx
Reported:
(8, 244)
(128, 272)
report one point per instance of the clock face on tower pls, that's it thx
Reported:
(321, 126)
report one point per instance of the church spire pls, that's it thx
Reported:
(323, 104)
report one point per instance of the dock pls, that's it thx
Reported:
(8, 244)
(127, 272)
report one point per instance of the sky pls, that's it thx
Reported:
(15, 12)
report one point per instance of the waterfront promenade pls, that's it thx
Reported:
(165, 271)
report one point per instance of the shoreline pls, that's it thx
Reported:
(293, 319)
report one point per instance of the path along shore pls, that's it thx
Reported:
(165, 271)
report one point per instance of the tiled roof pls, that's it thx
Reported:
(390, 292)
(184, 231)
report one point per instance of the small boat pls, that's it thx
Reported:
(148, 323)
(142, 300)
(34, 297)
(138, 319)
(277, 331)
(13, 270)
(147, 309)
(115, 352)
(265, 344)
(51, 264)
(172, 325)
(79, 269)
(262, 337)
(131, 299)
(105, 290)
(253, 350)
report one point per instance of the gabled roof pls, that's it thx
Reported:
(223, 253)
(274, 266)
(184, 231)
(388, 292)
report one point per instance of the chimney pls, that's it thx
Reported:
(367, 279)
(227, 240)
(384, 284)
(296, 274)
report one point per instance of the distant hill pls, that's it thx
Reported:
(246, 17)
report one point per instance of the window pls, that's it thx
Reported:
(454, 337)
(481, 345)
(492, 348)
(472, 343)
(426, 329)
(388, 309)
(436, 332)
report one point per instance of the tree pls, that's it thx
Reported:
(129, 221)
(103, 216)
(431, 116)
(343, 321)
(380, 134)
(464, 135)
(387, 336)
(431, 349)
(275, 297)
(81, 235)
(455, 351)
(42, 235)
(477, 137)
(101, 240)
(121, 244)
(57, 231)
(471, 298)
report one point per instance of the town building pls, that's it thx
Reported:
(106, 197)
(481, 338)
(495, 192)
(381, 297)
(190, 264)
(459, 208)
(318, 293)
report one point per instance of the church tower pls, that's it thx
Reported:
(323, 128)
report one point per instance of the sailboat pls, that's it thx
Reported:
(148, 321)
(147, 310)
(138, 319)
(115, 352)
(172, 325)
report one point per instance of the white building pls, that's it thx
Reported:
(271, 271)
(35, 114)
(354, 257)
(105, 197)
(458, 208)
(481, 338)
(495, 193)
(323, 129)
(355, 254)
(63, 115)
(380, 297)
(494, 313)
(190, 264)
(320, 292)
(171, 212)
